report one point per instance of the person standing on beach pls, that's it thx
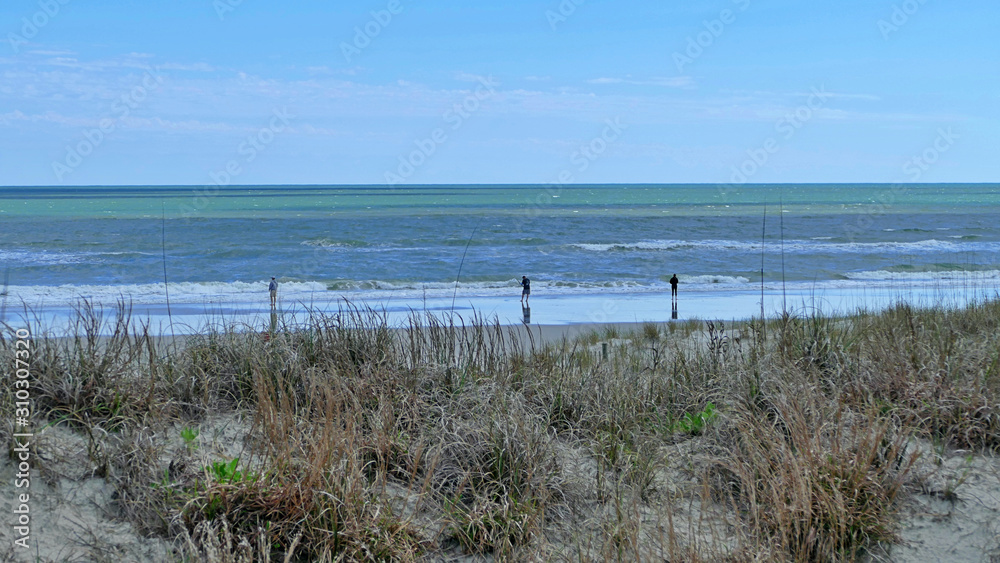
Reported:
(673, 288)
(526, 289)
(272, 288)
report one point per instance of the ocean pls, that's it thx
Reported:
(216, 246)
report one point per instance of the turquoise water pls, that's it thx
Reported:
(282, 202)
(209, 243)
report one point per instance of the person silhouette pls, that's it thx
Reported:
(673, 288)
(272, 288)
(526, 289)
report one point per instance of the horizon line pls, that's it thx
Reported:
(526, 184)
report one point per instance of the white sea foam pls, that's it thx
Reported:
(816, 245)
(335, 246)
(188, 292)
(943, 275)
(24, 257)
(323, 243)
(315, 291)
(714, 280)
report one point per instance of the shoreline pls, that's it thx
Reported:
(545, 311)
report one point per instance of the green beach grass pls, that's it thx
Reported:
(791, 439)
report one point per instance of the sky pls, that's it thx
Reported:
(398, 92)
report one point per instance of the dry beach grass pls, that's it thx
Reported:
(803, 438)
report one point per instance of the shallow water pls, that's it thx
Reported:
(220, 245)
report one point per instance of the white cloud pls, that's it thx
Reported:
(468, 77)
(773, 95)
(196, 67)
(669, 82)
(50, 53)
(149, 124)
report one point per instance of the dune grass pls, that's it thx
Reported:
(790, 439)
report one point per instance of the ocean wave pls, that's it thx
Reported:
(42, 258)
(330, 243)
(356, 246)
(383, 285)
(925, 275)
(815, 245)
(309, 291)
(714, 280)
(487, 287)
(191, 292)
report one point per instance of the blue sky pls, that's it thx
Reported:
(100, 92)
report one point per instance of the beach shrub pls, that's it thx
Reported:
(695, 423)
(189, 435)
(934, 368)
(498, 476)
(448, 440)
(821, 484)
(91, 378)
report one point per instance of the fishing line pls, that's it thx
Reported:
(6, 285)
(763, 232)
(163, 251)
(462, 263)
(781, 228)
